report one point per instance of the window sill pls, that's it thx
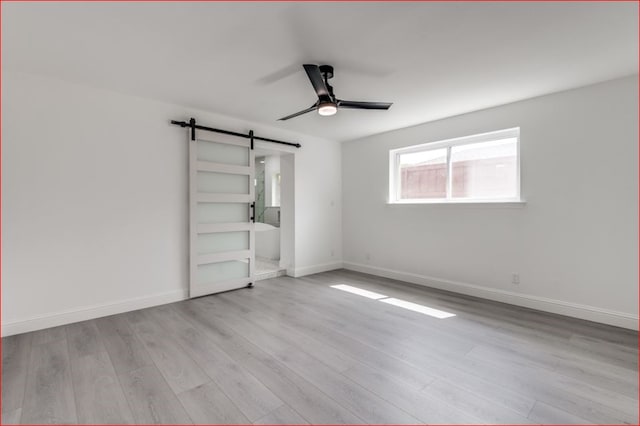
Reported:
(497, 204)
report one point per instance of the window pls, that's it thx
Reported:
(478, 168)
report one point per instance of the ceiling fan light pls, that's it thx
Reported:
(327, 108)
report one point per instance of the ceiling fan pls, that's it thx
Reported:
(327, 103)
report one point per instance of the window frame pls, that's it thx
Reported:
(394, 168)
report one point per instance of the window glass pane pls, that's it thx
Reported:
(222, 271)
(223, 153)
(423, 174)
(221, 242)
(222, 212)
(222, 183)
(485, 170)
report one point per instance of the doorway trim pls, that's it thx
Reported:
(287, 203)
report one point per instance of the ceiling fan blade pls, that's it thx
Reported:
(315, 76)
(364, 105)
(304, 111)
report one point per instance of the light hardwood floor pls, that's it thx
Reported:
(298, 351)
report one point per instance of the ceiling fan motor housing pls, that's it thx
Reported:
(327, 103)
(326, 71)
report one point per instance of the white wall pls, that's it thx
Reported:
(574, 242)
(94, 201)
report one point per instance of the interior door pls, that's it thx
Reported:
(221, 197)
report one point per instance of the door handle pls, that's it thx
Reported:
(253, 212)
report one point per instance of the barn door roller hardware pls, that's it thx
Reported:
(193, 126)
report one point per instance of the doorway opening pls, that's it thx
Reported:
(269, 223)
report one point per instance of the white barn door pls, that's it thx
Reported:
(222, 210)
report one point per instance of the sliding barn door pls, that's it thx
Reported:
(221, 193)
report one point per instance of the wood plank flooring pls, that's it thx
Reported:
(296, 351)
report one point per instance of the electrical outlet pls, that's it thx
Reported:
(367, 256)
(332, 253)
(515, 279)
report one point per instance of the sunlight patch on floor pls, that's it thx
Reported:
(359, 291)
(415, 307)
(418, 308)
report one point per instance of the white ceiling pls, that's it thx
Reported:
(432, 60)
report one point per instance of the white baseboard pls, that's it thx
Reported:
(575, 310)
(90, 312)
(313, 269)
(586, 312)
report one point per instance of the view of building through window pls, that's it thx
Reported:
(424, 174)
(487, 169)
